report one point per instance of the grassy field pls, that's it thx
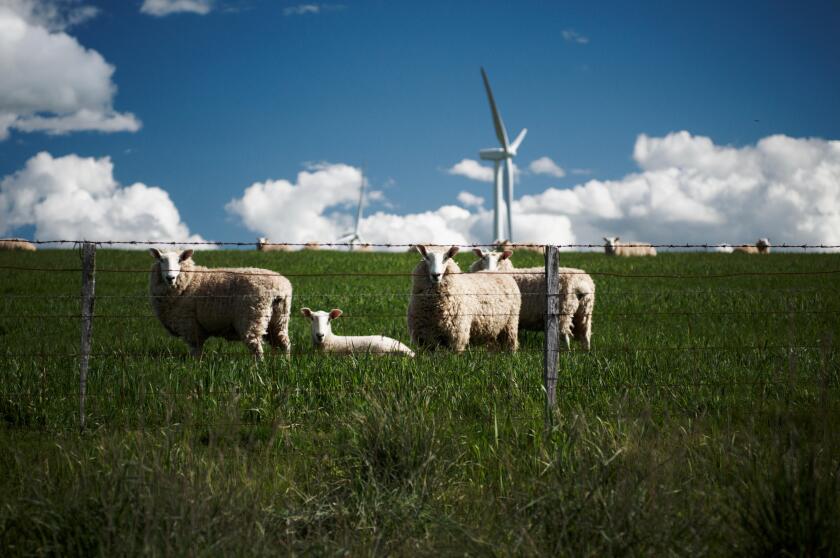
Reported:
(703, 422)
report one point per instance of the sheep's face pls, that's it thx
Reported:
(610, 242)
(763, 243)
(320, 322)
(170, 264)
(490, 260)
(436, 262)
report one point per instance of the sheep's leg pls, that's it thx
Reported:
(278, 326)
(197, 344)
(568, 307)
(254, 343)
(583, 321)
(508, 338)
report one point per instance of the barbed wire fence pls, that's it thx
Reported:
(551, 348)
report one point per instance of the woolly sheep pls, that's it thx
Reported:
(312, 245)
(195, 303)
(615, 248)
(16, 244)
(326, 341)
(454, 309)
(503, 245)
(263, 245)
(762, 246)
(577, 295)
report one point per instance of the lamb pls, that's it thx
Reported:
(452, 309)
(195, 303)
(312, 245)
(263, 245)
(326, 341)
(762, 246)
(577, 296)
(615, 248)
(503, 245)
(16, 244)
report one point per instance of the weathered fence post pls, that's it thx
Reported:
(88, 286)
(552, 330)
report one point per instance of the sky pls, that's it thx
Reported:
(228, 120)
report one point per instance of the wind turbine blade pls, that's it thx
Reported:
(361, 202)
(514, 147)
(501, 133)
(509, 195)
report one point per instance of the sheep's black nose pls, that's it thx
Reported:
(319, 337)
(436, 276)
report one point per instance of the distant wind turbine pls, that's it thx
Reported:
(353, 237)
(499, 155)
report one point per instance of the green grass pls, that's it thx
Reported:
(700, 424)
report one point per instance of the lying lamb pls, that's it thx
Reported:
(263, 245)
(195, 303)
(762, 246)
(326, 341)
(577, 295)
(614, 247)
(454, 309)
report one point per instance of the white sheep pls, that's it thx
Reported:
(195, 303)
(453, 309)
(326, 341)
(762, 246)
(263, 245)
(577, 295)
(16, 244)
(613, 247)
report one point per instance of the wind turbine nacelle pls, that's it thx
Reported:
(493, 154)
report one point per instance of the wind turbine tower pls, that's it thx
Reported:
(353, 237)
(501, 157)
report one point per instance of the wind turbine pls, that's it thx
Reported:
(353, 237)
(501, 155)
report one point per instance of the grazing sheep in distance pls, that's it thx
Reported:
(312, 245)
(577, 296)
(263, 245)
(16, 244)
(762, 246)
(453, 309)
(326, 341)
(503, 245)
(195, 303)
(614, 247)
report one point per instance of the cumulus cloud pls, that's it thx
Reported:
(572, 36)
(55, 15)
(162, 8)
(544, 165)
(50, 82)
(687, 190)
(470, 200)
(473, 170)
(76, 198)
(690, 190)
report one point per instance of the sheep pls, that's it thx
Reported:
(615, 248)
(503, 245)
(194, 302)
(326, 341)
(312, 245)
(16, 244)
(577, 296)
(263, 245)
(762, 246)
(452, 309)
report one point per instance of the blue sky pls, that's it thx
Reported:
(259, 90)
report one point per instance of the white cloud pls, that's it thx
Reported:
(572, 36)
(688, 190)
(75, 198)
(544, 165)
(55, 15)
(302, 9)
(50, 82)
(473, 170)
(470, 200)
(162, 8)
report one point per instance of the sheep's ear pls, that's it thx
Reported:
(452, 251)
(185, 255)
(605, 239)
(334, 313)
(478, 252)
(155, 253)
(420, 248)
(617, 238)
(306, 312)
(506, 254)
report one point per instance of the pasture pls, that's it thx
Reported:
(703, 422)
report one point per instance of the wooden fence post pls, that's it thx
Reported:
(552, 330)
(88, 287)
